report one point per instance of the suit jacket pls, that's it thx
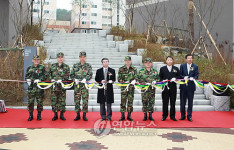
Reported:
(165, 74)
(192, 73)
(110, 93)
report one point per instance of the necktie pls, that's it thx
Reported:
(105, 74)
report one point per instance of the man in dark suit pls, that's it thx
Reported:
(105, 76)
(188, 71)
(169, 72)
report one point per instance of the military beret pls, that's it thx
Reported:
(127, 58)
(60, 54)
(148, 60)
(36, 57)
(82, 54)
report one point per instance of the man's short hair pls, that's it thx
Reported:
(105, 59)
(188, 56)
(170, 57)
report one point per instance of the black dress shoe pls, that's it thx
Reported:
(164, 118)
(190, 119)
(129, 116)
(174, 119)
(182, 118)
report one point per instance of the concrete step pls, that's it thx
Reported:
(139, 102)
(117, 108)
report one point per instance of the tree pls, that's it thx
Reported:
(80, 5)
(128, 11)
(63, 15)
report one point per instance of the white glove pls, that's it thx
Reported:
(83, 81)
(52, 80)
(103, 81)
(186, 78)
(165, 80)
(110, 81)
(59, 81)
(36, 81)
(173, 79)
(127, 82)
(148, 83)
(154, 82)
(28, 82)
(76, 81)
(133, 82)
(191, 78)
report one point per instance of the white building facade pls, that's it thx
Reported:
(46, 8)
(95, 15)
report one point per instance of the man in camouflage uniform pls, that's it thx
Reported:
(127, 74)
(148, 76)
(35, 73)
(81, 72)
(58, 72)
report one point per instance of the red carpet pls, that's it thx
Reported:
(17, 118)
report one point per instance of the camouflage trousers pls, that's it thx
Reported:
(148, 100)
(127, 98)
(32, 95)
(81, 92)
(58, 100)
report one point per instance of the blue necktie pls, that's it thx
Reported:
(105, 74)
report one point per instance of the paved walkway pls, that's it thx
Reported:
(116, 139)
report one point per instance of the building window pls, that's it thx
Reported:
(47, 3)
(83, 31)
(84, 6)
(93, 14)
(107, 9)
(104, 25)
(35, 10)
(109, 17)
(84, 14)
(104, 17)
(94, 6)
(93, 22)
(46, 11)
(84, 22)
(109, 25)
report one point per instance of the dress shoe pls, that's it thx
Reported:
(164, 118)
(39, 116)
(103, 119)
(182, 118)
(84, 116)
(122, 116)
(109, 119)
(55, 116)
(145, 116)
(190, 119)
(129, 116)
(62, 116)
(30, 118)
(77, 116)
(150, 117)
(174, 119)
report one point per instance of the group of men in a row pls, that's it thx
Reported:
(81, 73)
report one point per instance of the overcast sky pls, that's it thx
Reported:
(64, 4)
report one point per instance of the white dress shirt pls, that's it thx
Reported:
(188, 67)
(169, 68)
